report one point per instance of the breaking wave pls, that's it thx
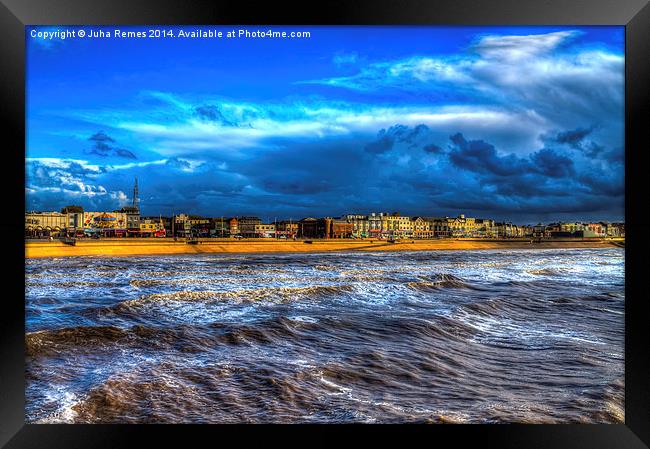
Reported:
(440, 281)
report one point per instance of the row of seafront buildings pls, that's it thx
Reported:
(73, 221)
(381, 226)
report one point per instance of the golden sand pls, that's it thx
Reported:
(125, 247)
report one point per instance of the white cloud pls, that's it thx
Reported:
(65, 163)
(55, 162)
(345, 58)
(514, 48)
(195, 136)
(567, 86)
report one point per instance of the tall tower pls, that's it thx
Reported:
(136, 200)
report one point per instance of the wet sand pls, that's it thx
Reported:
(124, 247)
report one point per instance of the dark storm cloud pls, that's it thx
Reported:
(614, 156)
(101, 136)
(204, 189)
(435, 149)
(121, 152)
(413, 136)
(607, 183)
(475, 176)
(419, 136)
(212, 113)
(573, 137)
(586, 142)
(103, 146)
(549, 163)
(178, 163)
(381, 145)
(481, 157)
(593, 150)
(526, 209)
(298, 186)
(318, 168)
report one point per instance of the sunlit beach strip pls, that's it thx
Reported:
(122, 247)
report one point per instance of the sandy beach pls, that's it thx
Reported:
(124, 247)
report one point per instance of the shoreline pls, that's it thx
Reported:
(143, 247)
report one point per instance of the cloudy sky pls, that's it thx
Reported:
(517, 123)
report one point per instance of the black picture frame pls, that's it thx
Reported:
(633, 14)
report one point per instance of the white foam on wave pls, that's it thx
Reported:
(500, 328)
(65, 400)
(302, 319)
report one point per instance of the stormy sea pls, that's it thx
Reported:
(490, 336)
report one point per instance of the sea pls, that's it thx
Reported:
(479, 336)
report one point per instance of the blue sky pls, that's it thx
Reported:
(517, 123)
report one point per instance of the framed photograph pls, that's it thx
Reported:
(365, 213)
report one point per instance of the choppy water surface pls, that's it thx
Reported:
(467, 336)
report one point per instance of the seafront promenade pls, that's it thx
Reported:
(132, 247)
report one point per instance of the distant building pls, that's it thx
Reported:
(289, 228)
(421, 228)
(200, 226)
(184, 225)
(399, 226)
(105, 224)
(571, 227)
(75, 222)
(616, 230)
(378, 225)
(263, 230)
(527, 230)
(340, 228)
(508, 230)
(233, 226)
(247, 226)
(325, 228)
(167, 224)
(462, 226)
(224, 227)
(484, 228)
(552, 230)
(152, 227)
(45, 224)
(360, 225)
(132, 218)
(457, 227)
(595, 230)
(438, 227)
(311, 228)
(539, 230)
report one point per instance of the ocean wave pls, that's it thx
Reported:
(325, 267)
(69, 284)
(328, 338)
(440, 281)
(183, 338)
(546, 272)
(249, 295)
(49, 342)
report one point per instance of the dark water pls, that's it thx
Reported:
(467, 336)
